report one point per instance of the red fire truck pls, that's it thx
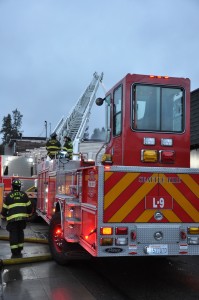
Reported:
(17, 167)
(139, 196)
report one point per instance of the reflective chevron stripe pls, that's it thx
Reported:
(135, 197)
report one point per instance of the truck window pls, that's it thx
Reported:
(117, 111)
(108, 117)
(157, 108)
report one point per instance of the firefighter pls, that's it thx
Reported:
(53, 146)
(17, 208)
(68, 146)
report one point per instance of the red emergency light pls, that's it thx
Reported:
(167, 157)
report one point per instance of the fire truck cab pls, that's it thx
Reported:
(149, 121)
(139, 196)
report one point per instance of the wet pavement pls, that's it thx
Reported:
(36, 242)
(35, 275)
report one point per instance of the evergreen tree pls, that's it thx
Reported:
(11, 126)
(6, 129)
(16, 124)
(99, 134)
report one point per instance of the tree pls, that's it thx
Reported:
(99, 134)
(16, 124)
(11, 126)
(6, 129)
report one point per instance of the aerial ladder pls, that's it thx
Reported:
(76, 123)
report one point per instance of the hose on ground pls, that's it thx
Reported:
(23, 260)
(28, 240)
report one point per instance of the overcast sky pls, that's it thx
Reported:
(49, 50)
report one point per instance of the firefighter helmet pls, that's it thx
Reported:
(53, 135)
(16, 184)
(68, 138)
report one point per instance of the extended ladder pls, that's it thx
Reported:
(75, 124)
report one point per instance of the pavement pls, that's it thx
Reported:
(36, 275)
(36, 241)
(36, 249)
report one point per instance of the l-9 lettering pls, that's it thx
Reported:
(158, 203)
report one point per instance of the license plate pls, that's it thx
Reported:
(157, 249)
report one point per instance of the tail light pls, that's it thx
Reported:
(193, 239)
(106, 241)
(149, 156)
(193, 230)
(121, 230)
(133, 235)
(167, 157)
(106, 230)
(58, 232)
(121, 241)
(183, 235)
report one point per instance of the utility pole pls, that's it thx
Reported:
(46, 127)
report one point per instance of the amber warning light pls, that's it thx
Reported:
(158, 76)
(106, 230)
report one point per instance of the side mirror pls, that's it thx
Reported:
(99, 101)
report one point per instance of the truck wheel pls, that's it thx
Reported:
(62, 252)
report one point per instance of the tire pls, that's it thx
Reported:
(62, 251)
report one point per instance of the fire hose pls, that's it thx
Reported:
(22, 260)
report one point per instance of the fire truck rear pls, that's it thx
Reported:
(12, 167)
(138, 196)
